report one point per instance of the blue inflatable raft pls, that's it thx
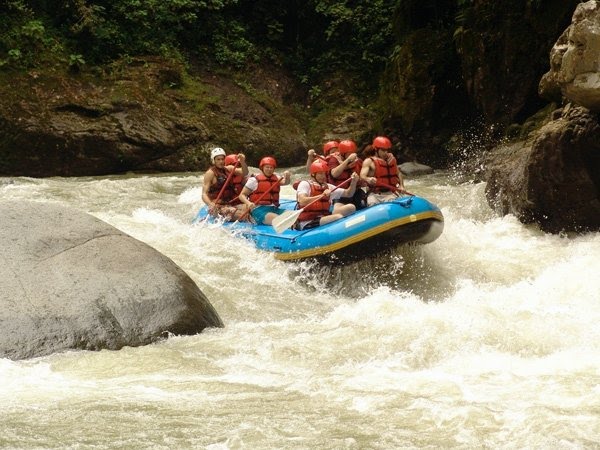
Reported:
(368, 231)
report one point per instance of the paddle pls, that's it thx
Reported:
(229, 177)
(243, 216)
(288, 218)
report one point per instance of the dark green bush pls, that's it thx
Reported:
(314, 38)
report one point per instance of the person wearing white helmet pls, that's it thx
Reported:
(217, 151)
(218, 191)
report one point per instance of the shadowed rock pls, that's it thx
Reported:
(552, 178)
(143, 117)
(71, 281)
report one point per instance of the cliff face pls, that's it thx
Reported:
(144, 115)
(453, 67)
(553, 176)
(478, 64)
(574, 64)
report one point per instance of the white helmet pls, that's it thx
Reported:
(217, 151)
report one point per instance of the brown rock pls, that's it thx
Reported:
(141, 117)
(574, 62)
(553, 178)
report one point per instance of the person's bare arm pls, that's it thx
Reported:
(345, 164)
(349, 191)
(304, 199)
(243, 169)
(209, 176)
(310, 158)
(400, 180)
(244, 197)
(368, 166)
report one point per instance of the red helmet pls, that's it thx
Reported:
(382, 142)
(319, 166)
(328, 146)
(230, 160)
(267, 161)
(347, 146)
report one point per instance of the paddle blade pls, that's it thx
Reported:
(285, 220)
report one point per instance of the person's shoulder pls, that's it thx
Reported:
(303, 186)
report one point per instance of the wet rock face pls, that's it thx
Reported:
(553, 178)
(574, 62)
(75, 282)
(142, 117)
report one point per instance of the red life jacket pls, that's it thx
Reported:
(215, 188)
(264, 184)
(335, 160)
(386, 173)
(319, 208)
(238, 182)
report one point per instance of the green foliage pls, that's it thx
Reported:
(76, 62)
(104, 32)
(357, 33)
(232, 47)
(315, 38)
(26, 43)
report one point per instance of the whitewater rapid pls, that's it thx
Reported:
(485, 338)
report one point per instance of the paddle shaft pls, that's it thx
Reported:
(287, 219)
(229, 177)
(322, 195)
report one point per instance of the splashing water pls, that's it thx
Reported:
(485, 338)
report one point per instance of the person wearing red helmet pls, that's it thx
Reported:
(328, 147)
(319, 196)
(380, 171)
(218, 191)
(260, 194)
(342, 163)
(230, 160)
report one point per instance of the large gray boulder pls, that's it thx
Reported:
(71, 281)
(413, 169)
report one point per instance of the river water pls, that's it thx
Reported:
(487, 338)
